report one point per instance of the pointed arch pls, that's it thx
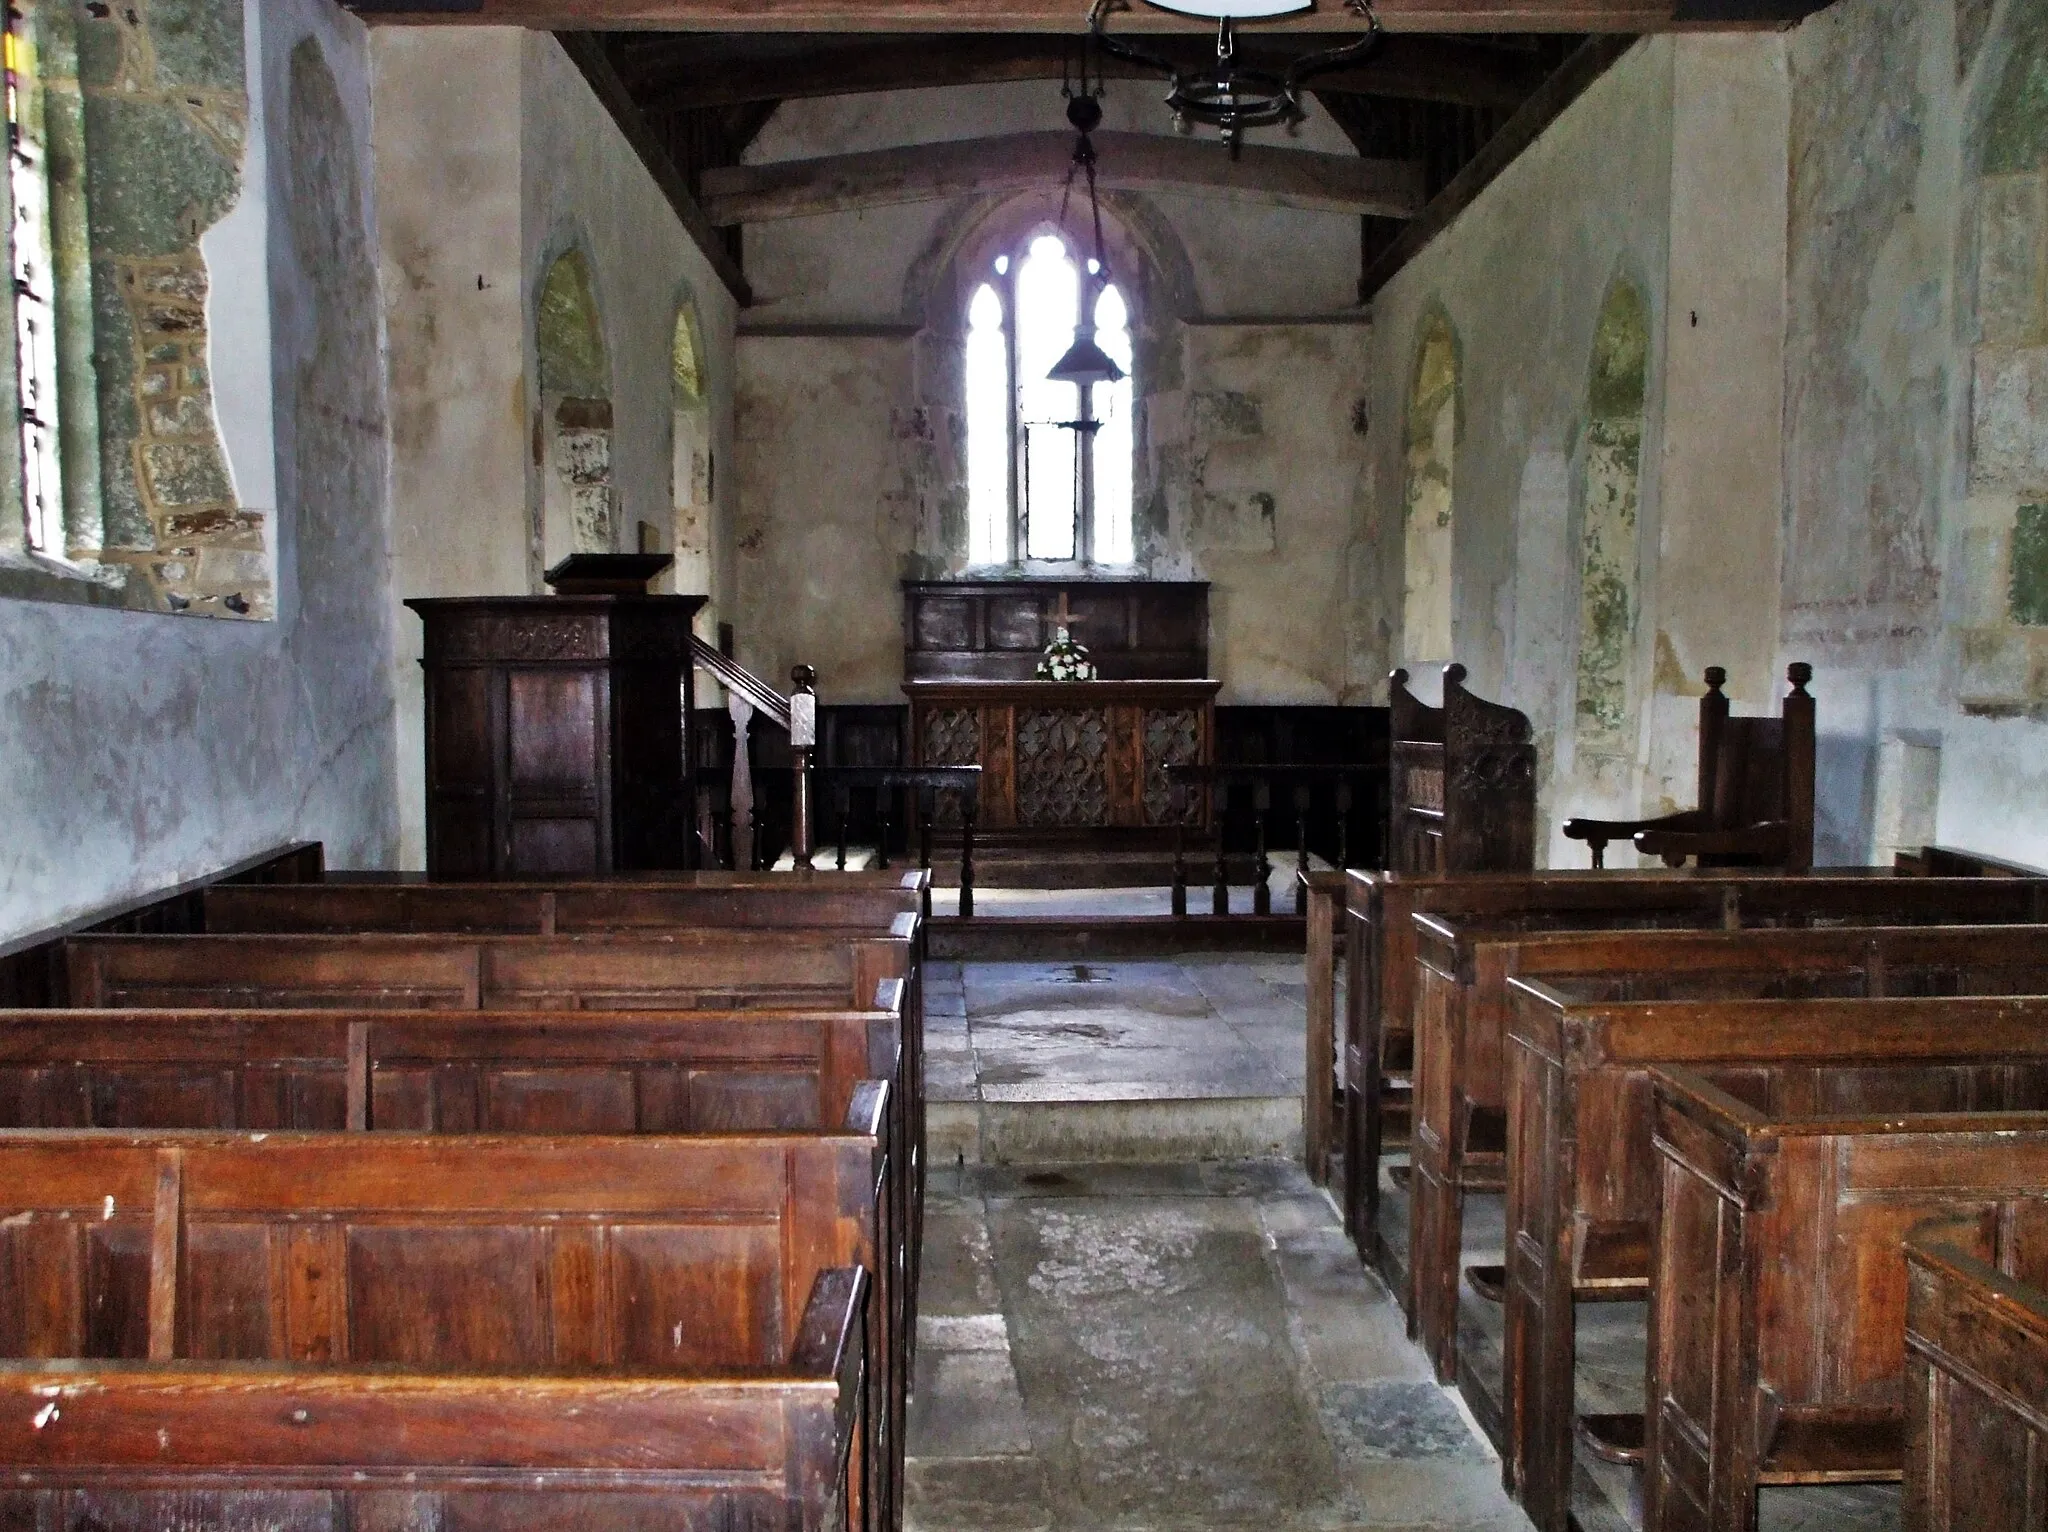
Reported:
(574, 373)
(1610, 486)
(692, 467)
(1428, 504)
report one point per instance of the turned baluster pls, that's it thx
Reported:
(1262, 868)
(885, 810)
(842, 805)
(803, 739)
(1219, 900)
(1343, 823)
(1301, 791)
(1177, 801)
(970, 807)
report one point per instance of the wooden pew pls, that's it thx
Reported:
(1461, 782)
(1582, 1178)
(1382, 971)
(442, 1072)
(1778, 1308)
(1976, 1391)
(390, 1331)
(1325, 920)
(725, 901)
(684, 969)
(1459, 1142)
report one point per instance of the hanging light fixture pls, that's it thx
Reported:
(1086, 364)
(1228, 96)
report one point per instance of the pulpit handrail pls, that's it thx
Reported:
(735, 677)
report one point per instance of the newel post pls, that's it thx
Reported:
(803, 741)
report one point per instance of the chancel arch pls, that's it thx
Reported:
(1428, 498)
(573, 445)
(1610, 489)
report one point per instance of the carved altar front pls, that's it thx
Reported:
(1060, 759)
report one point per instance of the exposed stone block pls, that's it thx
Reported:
(2012, 263)
(2009, 420)
(2029, 583)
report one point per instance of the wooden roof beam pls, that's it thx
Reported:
(1070, 16)
(1323, 183)
(678, 72)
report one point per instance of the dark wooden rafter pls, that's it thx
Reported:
(1389, 249)
(673, 71)
(672, 155)
(1067, 16)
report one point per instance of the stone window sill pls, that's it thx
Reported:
(26, 576)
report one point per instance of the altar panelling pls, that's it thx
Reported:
(1063, 767)
(995, 630)
(999, 765)
(1173, 737)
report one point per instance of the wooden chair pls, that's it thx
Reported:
(1462, 782)
(1755, 793)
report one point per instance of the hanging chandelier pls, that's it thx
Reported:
(1086, 363)
(1227, 95)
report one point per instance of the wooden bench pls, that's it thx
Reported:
(1976, 1391)
(485, 1332)
(1383, 972)
(1582, 1178)
(725, 901)
(1778, 1307)
(1461, 782)
(1460, 1137)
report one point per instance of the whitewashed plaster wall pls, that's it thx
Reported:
(1918, 313)
(848, 412)
(1522, 276)
(493, 159)
(144, 749)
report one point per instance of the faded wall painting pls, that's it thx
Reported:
(1611, 488)
(1428, 501)
(573, 435)
(691, 468)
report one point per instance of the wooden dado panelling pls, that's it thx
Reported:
(1135, 630)
(1055, 756)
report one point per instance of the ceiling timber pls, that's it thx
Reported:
(1443, 16)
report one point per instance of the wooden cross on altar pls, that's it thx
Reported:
(1064, 617)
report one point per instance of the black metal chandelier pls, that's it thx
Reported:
(1228, 96)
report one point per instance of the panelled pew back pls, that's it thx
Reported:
(1778, 1310)
(484, 1332)
(714, 901)
(1461, 1134)
(1583, 1169)
(1382, 971)
(1976, 1390)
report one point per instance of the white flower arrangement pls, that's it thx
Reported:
(1065, 660)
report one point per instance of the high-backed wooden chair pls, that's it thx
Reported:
(1463, 782)
(1755, 794)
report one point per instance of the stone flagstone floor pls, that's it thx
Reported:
(1176, 1346)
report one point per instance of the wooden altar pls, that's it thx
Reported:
(1061, 760)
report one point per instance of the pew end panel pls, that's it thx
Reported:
(1778, 1313)
(1976, 1392)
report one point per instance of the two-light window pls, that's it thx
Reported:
(1049, 464)
(35, 295)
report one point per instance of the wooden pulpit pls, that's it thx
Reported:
(557, 735)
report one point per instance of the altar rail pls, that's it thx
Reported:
(1353, 797)
(906, 796)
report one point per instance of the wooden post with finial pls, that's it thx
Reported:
(1713, 719)
(803, 739)
(1798, 754)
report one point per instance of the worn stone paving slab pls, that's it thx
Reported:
(1185, 1347)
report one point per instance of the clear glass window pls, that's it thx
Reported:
(34, 300)
(1049, 465)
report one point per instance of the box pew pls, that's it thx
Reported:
(1778, 1285)
(726, 903)
(1459, 1142)
(1976, 1390)
(349, 1331)
(1380, 937)
(1582, 1178)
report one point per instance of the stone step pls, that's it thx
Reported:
(1157, 1131)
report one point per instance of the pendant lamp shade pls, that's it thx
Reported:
(1086, 363)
